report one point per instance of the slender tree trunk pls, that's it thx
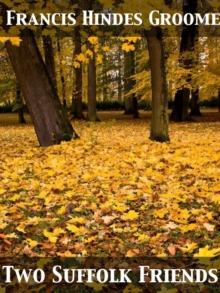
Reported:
(91, 68)
(19, 102)
(50, 122)
(188, 40)
(105, 78)
(77, 105)
(195, 107)
(160, 121)
(92, 113)
(49, 59)
(219, 100)
(131, 104)
(61, 74)
(119, 78)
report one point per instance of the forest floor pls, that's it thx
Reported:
(113, 192)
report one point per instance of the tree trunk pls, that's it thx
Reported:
(19, 102)
(219, 100)
(49, 59)
(105, 78)
(159, 123)
(50, 122)
(77, 106)
(63, 86)
(120, 86)
(131, 104)
(188, 40)
(181, 105)
(92, 113)
(195, 107)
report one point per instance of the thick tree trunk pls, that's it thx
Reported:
(92, 113)
(159, 123)
(51, 124)
(19, 102)
(49, 58)
(130, 100)
(77, 106)
(188, 40)
(195, 107)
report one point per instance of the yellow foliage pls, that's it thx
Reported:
(31, 243)
(93, 40)
(112, 189)
(127, 47)
(207, 252)
(187, 228)
(189, 247)
(76, 230)
(131, 215)
(106, 48)
(161, 213)
(89, 53)
(143, 238)
(81, 57)
(51, 236)
(14, 40)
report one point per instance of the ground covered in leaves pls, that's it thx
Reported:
(113, 192)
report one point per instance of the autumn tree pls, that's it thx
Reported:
(51, 124)
(120, 76)
(105, 84)
(77, 106)
(130, 100)
(62, 77)
(49, 58)
(159, 122)
(187, 47)
(19, 105)
(219, 100)
(92, 112)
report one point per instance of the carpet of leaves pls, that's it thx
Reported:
(113, 192)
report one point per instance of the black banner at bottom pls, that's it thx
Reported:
(125, 275)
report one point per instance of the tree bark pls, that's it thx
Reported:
(92, 113)
(160, 121)
(49, 59)
(130, 100)
(120, 86)
(188, 40)
(219, 100)
(63, 86)
(19, 102)
(50, 122)
(195, 107)
(105, 78)
(77, 106)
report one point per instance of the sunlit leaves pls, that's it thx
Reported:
(14, 40)
(131, 215)
(93, 40)
(207, 252)
(189, 247)
(128, 47)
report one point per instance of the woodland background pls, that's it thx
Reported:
(115, 177)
